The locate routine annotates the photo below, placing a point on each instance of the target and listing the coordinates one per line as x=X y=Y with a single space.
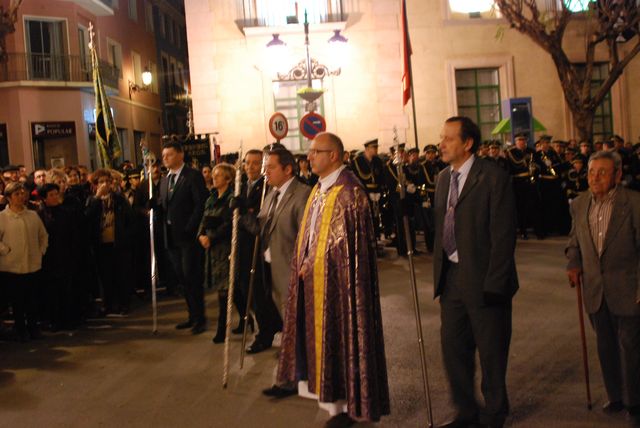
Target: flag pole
x=407 y=54
x=412 y=273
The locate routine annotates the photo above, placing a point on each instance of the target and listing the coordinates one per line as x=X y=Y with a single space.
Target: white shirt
x=325 y=185
x=176 y=172
x=462 y=178
x=282 y=189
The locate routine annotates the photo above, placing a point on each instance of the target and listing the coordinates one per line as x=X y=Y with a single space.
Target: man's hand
x=103 y=190
x=575 y=277
x=204 y=241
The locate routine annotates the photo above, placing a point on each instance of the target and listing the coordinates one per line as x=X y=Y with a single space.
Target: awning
x=505 y=126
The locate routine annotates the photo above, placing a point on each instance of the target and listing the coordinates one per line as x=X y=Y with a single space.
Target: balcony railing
x=54 y=68
x=260 y=13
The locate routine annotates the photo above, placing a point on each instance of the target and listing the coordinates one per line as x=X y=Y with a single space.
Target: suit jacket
x=485 y=230
x=615 y=275
x=183 y=211
x=282 y=234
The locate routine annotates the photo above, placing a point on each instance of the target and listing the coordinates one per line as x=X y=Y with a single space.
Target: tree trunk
x=583 y=120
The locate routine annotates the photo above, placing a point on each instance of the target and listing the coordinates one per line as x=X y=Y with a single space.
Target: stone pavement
x=115 y=373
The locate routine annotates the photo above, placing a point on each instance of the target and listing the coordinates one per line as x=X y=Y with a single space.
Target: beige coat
x=23 y=241
x=615 y=275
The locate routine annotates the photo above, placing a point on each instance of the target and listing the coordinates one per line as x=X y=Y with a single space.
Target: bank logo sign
x=53 y=129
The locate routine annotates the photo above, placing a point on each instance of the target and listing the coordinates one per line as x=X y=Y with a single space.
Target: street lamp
x=147 y=78
x=308 y=69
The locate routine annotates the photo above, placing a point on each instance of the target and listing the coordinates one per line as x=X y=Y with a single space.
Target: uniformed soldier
x=585 y=150
x=576 y=179
x=524 y=173
x=484 y=150
x=554 y=207
x=393 y=185
x=495 y=149
x=368 y=167
x=431 y=169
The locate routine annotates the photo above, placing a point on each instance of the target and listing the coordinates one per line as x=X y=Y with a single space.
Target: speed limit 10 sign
x=278 y=126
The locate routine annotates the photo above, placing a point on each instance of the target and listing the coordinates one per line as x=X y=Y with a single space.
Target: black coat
x=182 y=212
x=123 y=218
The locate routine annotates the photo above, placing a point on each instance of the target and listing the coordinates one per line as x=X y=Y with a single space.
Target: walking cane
x=232 y=269
x=149 y=161
x=412 y=273
x=585 y=360
x=254 y=263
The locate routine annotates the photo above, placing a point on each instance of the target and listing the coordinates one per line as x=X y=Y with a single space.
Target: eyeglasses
x=316 y=151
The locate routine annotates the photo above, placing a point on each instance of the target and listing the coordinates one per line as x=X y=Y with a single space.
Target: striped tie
x=449 y=238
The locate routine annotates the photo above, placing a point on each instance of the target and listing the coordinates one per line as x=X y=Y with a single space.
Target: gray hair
x=610 y=155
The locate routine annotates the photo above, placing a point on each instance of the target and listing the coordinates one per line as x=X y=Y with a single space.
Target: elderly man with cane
x=604 y=259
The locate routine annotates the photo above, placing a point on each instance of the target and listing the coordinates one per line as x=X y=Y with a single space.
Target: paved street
x=115 y=373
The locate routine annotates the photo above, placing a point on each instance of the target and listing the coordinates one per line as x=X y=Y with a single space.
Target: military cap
x=133 y=174
x=560 y=143
x=371 y=143
x=546 y=137
x=520 y=135
x=413 y=150
x=585 y=143
x=495 y=144
x=11 y=168
x=579 y=158
x=430 y=148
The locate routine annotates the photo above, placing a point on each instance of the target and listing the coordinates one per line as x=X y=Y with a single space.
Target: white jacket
x=23 y=241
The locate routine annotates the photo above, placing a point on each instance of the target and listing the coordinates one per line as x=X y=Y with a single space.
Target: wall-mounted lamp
x=147 y=78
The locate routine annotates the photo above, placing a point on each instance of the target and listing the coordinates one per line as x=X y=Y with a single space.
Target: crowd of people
x=76 y=244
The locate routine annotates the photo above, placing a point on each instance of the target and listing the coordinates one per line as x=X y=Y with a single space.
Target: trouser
x=467 y=326
x=400 y=233
x=188 y=266
x=114 y=271
x=618 y=339
x=24 y=300
x=428 y=225
x=267 y=314
x=527 y=205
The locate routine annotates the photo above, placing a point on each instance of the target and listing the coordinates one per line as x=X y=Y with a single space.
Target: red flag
x=406 y=53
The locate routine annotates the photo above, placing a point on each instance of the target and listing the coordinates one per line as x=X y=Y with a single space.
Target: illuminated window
x=270 y=13
x=472 y=9
x=578 y=5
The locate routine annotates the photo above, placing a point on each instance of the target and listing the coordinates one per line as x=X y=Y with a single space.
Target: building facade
x=47 y=109
x=173 y=62
x=465 y=61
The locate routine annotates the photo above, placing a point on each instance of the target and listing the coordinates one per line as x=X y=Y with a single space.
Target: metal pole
x=585 y=355
x=154 y=268
x=254 y=263
x=232 y=270
x=414 y=285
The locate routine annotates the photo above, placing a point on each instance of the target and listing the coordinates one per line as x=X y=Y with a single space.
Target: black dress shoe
x=258 y=346
x=278 y=392
x=611 y=407
x=341 y=420
x=184 y=325
x=199 y=328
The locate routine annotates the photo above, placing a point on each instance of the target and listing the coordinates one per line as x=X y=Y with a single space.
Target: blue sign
x=312 y=124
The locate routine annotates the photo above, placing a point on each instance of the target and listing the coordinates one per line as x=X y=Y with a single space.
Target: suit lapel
x=618 y=215
x=283 y=202
x=442 y=195
x=471 y=180
x=181 y=179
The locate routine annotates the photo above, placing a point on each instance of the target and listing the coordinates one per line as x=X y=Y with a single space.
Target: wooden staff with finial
x=232 y=268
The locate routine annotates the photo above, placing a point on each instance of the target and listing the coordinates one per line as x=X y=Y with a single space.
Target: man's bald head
x=333 y=140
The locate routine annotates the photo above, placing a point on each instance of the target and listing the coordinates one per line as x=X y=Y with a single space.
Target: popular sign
x=53 y=129
x=312 y=124
x=278 y=126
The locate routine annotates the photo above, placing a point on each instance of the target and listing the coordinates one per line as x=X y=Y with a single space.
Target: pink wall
x=26 y=102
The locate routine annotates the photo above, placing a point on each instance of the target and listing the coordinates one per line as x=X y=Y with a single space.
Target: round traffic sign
x=278 y=126
x=312 y=124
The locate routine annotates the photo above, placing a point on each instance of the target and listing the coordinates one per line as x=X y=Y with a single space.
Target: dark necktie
x=449 y=238
x=172 y=183
x=271 y=213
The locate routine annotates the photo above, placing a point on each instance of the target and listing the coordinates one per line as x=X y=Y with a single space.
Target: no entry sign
x=312 y=124
x=278 y=126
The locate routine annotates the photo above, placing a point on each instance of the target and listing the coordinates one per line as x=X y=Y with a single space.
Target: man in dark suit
x=182 y=197
x=604 y=258
x=474 y=273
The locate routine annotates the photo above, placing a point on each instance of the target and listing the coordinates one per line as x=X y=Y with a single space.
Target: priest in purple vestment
x=333 y=344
